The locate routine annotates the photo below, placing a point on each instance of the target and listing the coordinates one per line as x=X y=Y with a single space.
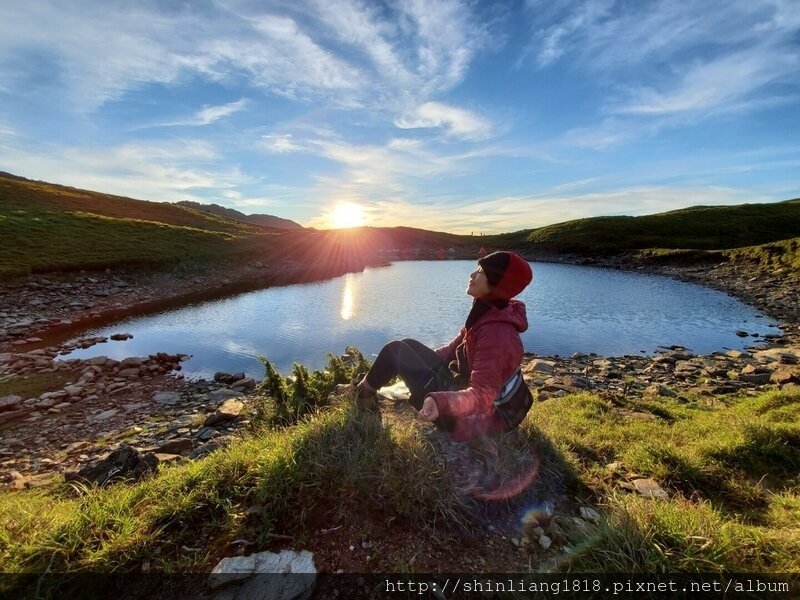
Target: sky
x=459 y=116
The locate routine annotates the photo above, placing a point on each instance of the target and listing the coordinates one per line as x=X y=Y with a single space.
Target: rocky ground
x=100 y=404
x=98 y=417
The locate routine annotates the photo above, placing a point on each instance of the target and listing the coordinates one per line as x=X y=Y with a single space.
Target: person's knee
x=394 y=344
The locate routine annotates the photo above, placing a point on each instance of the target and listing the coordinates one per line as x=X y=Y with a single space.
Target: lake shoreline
x=99 y=404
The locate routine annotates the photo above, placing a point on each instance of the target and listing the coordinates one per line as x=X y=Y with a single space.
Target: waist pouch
x=514 y=400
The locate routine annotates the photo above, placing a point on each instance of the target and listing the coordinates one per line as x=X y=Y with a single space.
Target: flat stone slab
x=168 y=398
x=288 y=575
x=649 y=488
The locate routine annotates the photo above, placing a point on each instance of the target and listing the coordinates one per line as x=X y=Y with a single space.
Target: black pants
x=420 y=368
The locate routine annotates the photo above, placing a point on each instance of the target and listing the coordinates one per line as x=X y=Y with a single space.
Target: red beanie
x=508 y=273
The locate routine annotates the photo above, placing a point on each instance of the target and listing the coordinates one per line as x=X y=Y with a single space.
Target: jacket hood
x=514 y=313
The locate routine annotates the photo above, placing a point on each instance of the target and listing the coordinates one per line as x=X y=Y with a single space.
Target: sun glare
x=346 y=214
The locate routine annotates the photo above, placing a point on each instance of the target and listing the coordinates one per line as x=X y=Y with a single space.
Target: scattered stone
x=9 y=402
x=545 y=542
x=106 y=414
x=649 y=488
x=124 y=463
x=176 y=446
x=166 y=397
x=228 y=411
x=590 y=514
x=121 y=337
x=240 y=576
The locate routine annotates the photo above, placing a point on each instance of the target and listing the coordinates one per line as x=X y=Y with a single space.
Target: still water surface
x=570 y=309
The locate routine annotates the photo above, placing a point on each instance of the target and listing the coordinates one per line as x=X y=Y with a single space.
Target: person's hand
x=429 y=411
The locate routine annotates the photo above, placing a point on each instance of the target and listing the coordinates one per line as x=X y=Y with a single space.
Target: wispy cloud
x=342 y=52
x=512 y=213
x=716 y=84
x=166 y=171
x=205 y=116
x=663 y=59
x=456 y=122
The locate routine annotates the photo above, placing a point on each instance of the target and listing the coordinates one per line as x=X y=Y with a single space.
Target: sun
x=346 y=214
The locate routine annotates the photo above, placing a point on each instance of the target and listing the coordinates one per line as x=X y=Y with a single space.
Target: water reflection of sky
x=570 y=309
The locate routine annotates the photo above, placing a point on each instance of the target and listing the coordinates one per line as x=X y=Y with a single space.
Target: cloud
x=160 y=171
x=665 y=58
x=212 y=114
x=457 y=122
x=512 y=213
x=348 y=54
x=716 y=84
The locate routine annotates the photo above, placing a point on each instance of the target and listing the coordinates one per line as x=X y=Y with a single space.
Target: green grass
x=49 y=228
x=334 y=465
x=733 y=472
x=778 y=255
x=699 y=227
x=731 y=468
x=30 y=386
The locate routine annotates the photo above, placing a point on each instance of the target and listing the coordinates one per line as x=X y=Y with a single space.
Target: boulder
x=124 y=463
x=288 y=575
x=227 y=411
x=9 y=402
x=130 y=372
x=541 y=366
x=178 y=446
x=132 y=361
x=121 y=337
x=246 y=384
x=166 y=397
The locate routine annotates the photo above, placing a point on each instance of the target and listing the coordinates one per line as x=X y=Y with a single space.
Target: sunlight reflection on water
x=570 y=309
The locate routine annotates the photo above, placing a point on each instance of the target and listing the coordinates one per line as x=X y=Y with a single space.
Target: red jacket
x=494 y=352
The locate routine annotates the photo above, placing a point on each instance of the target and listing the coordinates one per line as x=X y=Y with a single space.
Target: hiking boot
x=365 y=401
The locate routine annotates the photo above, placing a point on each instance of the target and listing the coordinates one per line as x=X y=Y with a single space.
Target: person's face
x=478 y=284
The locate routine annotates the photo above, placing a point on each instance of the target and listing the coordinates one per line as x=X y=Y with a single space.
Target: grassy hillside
x=48 y=227
x=699 y=227
x=257 y=219
x=731 y=468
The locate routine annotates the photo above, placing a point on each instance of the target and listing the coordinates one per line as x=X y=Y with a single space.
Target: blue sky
x=444 y=114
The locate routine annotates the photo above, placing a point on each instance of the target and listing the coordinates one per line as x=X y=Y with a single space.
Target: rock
x=166 y=397
x=246 y=384
x=658 y=390
x=256 y=576
x=217 y=395
x=590 y=514
x=9 y=402
x=132 y=361
x=106 y=414
x=123 y=463
x=121 y=337
x=228 y=411
x=756 y=378
x=176 y=446
x=545 y=542
x=73 y=390
x=649 y=488
x=130 y=372
x=11 y=415
x=783 y=376
x=228 y=379
x=541 y=366
x=206 y=433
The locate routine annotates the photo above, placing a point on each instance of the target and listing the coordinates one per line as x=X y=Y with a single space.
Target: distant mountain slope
x=698 y=227
x=258 y=219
